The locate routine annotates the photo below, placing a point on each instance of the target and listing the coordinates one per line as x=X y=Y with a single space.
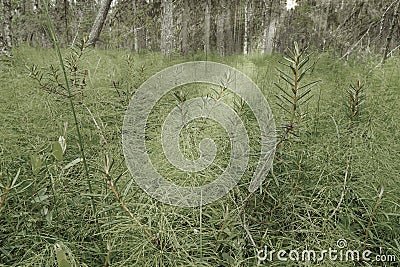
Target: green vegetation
x=337 y=178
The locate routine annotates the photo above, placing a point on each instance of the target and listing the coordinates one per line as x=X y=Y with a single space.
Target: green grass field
x=335 y=180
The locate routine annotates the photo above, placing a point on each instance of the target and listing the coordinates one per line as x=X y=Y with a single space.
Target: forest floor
x=335 y=185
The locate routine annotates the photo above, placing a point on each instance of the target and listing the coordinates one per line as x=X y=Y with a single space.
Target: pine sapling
x=294 y=92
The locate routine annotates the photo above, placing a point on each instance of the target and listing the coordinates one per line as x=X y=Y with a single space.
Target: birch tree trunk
x=7 y=30
x=275 y=16
x=264 y=40
x=139 y=33
x=166 y=27
x=270 y=38
x=99 y=22
x=263 y=44
x=246 y=27
x=207 y=18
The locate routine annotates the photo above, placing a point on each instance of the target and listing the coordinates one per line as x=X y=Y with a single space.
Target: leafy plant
x=131 y=78
x=12 y=184
x=51 y=80
x=356 y=99
x=295 y=93
x=70 y=84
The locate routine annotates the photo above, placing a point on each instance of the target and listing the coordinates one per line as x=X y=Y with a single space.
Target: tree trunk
x=99 y=22
x=66 y=5
x=220 y=35
x=391 y=32
x=270 y=37
x=139 y=29
x=166 y=27
x=184 y=34
x=263 y=43
x=207 y=24
x=246 y=28
x=220 y=20
x=276 y=16
x=7 y=30
x=237 y=28
x=248 y=16
x=139 y=38
x=229 y=44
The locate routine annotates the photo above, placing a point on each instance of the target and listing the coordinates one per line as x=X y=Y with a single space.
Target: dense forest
x=222 y=26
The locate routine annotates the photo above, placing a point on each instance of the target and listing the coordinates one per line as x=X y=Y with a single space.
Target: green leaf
x=306 y=100
x=301 y=76
x=36 y=163
x=289 y=66
x=303 y=94
x=285 y=74
x=61 y=256
x=228 y=258
x=73 y=163
x=303 y=62
x=284 y=108
x=15 y=179
x=41 y=196
x=309 y=85
x=288 y=81
x=290 y=59
x=63 y=143
x=39 y=199
x=57 y=151
x=283 y=98
x=128 y=187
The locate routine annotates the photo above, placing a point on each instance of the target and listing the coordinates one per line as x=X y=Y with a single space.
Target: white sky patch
x=291 y=4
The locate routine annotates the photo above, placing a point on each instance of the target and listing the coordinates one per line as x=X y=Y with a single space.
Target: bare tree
x=99 y=22
x=166 y=27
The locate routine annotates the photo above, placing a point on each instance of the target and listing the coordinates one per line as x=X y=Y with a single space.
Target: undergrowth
x=337 y=179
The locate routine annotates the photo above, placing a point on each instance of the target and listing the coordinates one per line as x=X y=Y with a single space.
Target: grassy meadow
x=337 y=179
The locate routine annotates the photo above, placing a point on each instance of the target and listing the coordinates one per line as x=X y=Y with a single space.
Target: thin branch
x=355 y=45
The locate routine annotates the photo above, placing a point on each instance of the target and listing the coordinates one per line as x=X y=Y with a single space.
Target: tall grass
x=71 y=102
x=313 y=197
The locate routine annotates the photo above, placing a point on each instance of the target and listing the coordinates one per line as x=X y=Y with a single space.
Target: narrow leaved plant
x=70 y=95
x=294 y=91
x=51 y=79
x=356 y=98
